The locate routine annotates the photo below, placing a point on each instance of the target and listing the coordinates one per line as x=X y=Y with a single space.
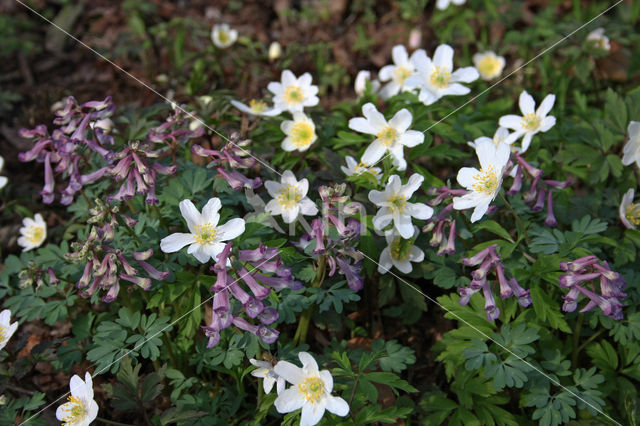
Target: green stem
x=516 y=217
x=112 y=422
x=305 y=319
x=132 y=233
x=591 y=339
x=576 y=340
x=353 y=393
x=160 y=218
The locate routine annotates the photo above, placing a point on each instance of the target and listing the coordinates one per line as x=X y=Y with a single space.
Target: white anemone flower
x=301 y=133
x=256 y=107
x=265 y=371
x=354 y=168
x=205 y=238
x=599 y=40
x=395 y=206
x=33 y=232
x=531 y=122
x=6 y=328
x=397 y=74
x=629 y=211
x=631 y=150
x=80 y=409
x=485 y=183
x=311 y=391
x=399 y=252
x=289 y=197
x=436 y=78
x=391 y=136
x=360 y=83
x=488 y=64
x=443 y=4
x=3 y=179
x=223 y=36
x=293 y=93
x=501 y=136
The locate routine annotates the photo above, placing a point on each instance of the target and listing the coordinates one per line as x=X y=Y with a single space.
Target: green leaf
x=604 y=355
x=493 y=227
x=547 y=310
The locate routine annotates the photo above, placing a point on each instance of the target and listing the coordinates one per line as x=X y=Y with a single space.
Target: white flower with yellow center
x=631 y=150
x=629 y=211
x=399 y=252
x=289 y=198
x=256 y=107
x=265 y=371
x=354 y=168
x=6 y=328
x=397 y=74
x=500 y=137
x=443 y=4
x=33 y=232
x=391 y=136
x=3 y=179
x=436 y=78
x=223 y=36
x=485 y=183
x=598 y=40
x=488 y=64
x=531 y=122
x=293 y=94
x=301 y=133
x=360 y=83
x=206 y=239
x=80 y=409
x=395 y=206
x=311 y=391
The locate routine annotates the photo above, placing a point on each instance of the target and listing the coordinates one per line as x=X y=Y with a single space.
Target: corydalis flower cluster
x=69 y=149
x=582 y=272
x=489 y=260
x=540 y=191
x=257 y=268
x=339 y=252
x=174 y=131
x=106 y=266
x=137 y=174
x=234 y=156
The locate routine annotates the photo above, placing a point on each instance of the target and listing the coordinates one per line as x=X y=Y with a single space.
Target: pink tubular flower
x=585 y=270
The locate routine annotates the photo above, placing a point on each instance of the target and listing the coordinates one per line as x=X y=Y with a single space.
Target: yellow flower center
x=440 y=77
x=205 y=233
x=289 y=196
x=293 y=95
x=257 y=106
x=3 y=334
x=488 y=66
x=223 y=37
x=400 y=248
x=363 y=167
x=633 y=213
x=35 y=234
x=486 y=181
x=397 y=203
x=387 y=135
x=530 y=121
x=401 y=73
x=302 y=134
x=312 y=389
x=74 y=411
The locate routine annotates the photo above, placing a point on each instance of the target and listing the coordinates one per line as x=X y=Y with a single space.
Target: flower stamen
x=401 y=73
x=293 y=95
x=440 y=77
x=289 y=196
x=257 y=106
x=312 y=388
x=530 y=121
x=397 y=203
x=486 y=181
x=205 y=233
x=75 y=410
x=302 y=134
x=632 y=213
x=387 y=136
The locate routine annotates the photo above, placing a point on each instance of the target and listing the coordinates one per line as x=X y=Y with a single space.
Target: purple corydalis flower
x=534 y=172
x=237 y=180
x=530 y=195
x=539 y=205
x=318 y=233
x=174 y=130
x=516 y=186
x=355 y=281
x=443 y=193
x=450 y=246
x=550 y=220
x=479 y=257
x=587 y=269
x=489 y=302
x=438 y=235
x=268 y=335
